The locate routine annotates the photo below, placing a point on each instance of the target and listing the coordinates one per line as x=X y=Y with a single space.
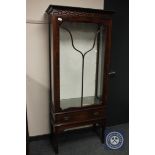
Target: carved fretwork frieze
x=75 y=13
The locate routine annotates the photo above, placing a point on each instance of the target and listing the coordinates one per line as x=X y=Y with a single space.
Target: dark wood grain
x=79 y=115
x=62 y=120
x=77 y=11
x=56 y=73
x=107 y=60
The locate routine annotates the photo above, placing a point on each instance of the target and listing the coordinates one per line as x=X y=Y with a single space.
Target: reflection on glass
x=81 y=68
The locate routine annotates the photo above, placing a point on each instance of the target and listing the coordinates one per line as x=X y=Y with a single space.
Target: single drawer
x=80 y=115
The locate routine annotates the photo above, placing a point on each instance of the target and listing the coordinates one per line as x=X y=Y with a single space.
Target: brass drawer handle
x=96 y=113
x=66 y=118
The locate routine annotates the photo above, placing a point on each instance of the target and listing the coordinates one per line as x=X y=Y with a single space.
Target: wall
x=37 y=70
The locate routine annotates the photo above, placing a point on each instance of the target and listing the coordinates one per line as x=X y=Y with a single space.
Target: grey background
x=118 y=103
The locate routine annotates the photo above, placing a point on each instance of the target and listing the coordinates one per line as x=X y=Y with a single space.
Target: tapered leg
x=103 y=125
x=55 y=143
x=103 y=133
x=94 y=127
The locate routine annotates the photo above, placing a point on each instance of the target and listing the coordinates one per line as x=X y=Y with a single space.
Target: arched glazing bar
x=82 y=54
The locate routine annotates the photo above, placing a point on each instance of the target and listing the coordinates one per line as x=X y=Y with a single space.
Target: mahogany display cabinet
x=79 y=52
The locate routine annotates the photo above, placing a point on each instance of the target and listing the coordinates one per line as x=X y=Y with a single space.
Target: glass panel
x=81 y=64
x=100 y=64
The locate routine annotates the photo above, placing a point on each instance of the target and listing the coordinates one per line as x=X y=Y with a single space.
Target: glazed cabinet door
x=80 y=62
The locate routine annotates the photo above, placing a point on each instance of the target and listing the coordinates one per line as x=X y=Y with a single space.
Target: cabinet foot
x=94 y=128
x=55 y=143
x=103 y=134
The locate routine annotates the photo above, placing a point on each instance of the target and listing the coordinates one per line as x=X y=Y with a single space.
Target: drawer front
x=80 y=116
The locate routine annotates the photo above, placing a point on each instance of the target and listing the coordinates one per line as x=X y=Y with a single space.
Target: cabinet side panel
x=55 y=62
x=107 y=61
x=51 y=62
